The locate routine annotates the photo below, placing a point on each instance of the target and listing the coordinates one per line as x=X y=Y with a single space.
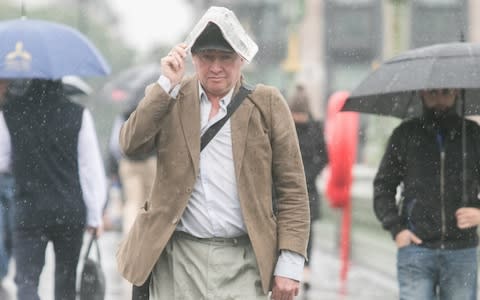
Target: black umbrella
x=74 y=85
x=128 y=86
x=392 y=89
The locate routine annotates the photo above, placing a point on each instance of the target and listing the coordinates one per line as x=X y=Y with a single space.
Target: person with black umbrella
x=433 y=227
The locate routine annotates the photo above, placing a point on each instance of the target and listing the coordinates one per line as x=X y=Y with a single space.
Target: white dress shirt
x=214 y=209
x=90 y=164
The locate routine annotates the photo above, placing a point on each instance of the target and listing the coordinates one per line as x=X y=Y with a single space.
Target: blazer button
x=188 y=190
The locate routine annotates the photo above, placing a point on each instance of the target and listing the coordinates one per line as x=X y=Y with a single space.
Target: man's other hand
x=284 y=288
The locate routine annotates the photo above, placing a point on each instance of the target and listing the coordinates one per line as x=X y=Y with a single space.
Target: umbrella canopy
x=41 y=49
x=392 y=88
x=128 y=87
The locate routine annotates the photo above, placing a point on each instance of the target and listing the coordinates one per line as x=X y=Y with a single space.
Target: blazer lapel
x=239 y=128
x=190 y=119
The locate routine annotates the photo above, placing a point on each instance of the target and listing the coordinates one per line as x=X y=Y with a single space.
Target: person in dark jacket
x=314 y=156
x=434 y=230
x=60 y=185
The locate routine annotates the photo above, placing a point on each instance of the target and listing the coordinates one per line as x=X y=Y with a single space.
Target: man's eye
x=208 y=57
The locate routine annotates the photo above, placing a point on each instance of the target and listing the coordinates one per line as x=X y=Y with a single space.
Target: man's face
x=440 y=99
x=218 y=71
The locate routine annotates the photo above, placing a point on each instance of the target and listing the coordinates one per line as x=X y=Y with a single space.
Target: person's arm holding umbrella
x=389 y=176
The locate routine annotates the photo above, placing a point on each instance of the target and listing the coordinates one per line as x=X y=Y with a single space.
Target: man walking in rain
x=208 y=229
x=60 y=185
x=435 y=232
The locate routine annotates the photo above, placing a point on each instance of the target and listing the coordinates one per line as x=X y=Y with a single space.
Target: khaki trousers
x=206 y=269
x=137 y=177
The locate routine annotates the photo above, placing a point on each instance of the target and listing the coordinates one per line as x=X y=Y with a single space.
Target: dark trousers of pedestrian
x=142 y=292
x=6 y=201
x=29 y=251
x=309 y=245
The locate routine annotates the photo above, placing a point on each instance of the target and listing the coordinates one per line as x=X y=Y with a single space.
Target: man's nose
x=216 y=65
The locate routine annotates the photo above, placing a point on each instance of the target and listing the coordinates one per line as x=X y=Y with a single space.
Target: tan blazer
x=264 y=146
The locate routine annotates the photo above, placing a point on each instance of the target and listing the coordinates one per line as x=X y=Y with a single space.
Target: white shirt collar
x=202 y=95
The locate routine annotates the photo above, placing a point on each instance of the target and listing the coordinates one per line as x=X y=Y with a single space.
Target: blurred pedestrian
x=59 y=182
x=314 y=156
x=208 y=229
x=135 y=175
x=6 y=188
x=434 y=230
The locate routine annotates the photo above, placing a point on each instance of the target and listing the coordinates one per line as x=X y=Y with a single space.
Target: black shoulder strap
x=232 y=106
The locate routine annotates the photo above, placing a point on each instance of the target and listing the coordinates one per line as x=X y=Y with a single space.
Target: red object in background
x=119 y=95
x=341 y=133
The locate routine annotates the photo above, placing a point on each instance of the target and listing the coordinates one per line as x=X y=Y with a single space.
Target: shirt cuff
x=166 y=85
x=290 y=265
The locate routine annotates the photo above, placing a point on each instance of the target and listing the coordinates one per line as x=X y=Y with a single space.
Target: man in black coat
x=314 y=155
x=435 y=232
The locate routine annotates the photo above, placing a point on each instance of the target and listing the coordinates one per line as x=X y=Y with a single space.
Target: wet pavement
x=363 y=282
x=116 y=287
x=371 y=274
x=372 y=268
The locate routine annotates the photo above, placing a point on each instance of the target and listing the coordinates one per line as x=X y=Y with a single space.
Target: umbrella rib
x=401 y=60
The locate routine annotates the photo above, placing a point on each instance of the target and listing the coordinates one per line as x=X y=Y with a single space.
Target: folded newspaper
x=231 y=29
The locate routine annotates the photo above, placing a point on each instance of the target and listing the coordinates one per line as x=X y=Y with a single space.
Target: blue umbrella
x=42 y=49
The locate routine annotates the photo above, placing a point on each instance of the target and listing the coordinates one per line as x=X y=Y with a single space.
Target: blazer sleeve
x=293 y=213
x=138 y=133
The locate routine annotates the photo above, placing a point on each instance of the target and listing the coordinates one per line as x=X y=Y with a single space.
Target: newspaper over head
x=231 y=29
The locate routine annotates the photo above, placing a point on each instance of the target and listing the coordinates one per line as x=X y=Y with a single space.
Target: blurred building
x=357 y=35
x=331 y=45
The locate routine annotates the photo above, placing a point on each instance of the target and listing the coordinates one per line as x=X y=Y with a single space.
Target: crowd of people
x=219 y=182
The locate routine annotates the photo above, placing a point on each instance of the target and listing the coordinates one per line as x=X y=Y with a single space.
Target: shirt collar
x=202 y=95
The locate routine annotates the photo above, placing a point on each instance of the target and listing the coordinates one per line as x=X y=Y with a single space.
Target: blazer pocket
x=146 y=206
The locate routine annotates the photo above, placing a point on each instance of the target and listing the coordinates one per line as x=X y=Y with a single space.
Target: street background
x=328 y=45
